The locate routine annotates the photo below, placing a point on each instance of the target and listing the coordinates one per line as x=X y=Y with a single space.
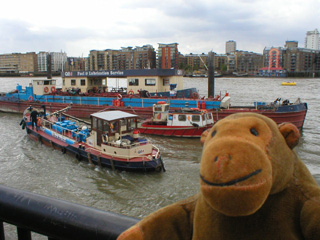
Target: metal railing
x=57 y=219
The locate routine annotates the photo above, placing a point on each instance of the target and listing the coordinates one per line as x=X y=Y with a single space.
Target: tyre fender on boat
x=39 y=138
x=78 y=156
x=63 y=150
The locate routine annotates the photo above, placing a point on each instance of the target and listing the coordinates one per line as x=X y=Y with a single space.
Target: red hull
x=172 y=131
x=297 y=118
x=84 y=111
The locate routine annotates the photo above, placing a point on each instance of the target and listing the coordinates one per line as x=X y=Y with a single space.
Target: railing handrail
x=59 y=219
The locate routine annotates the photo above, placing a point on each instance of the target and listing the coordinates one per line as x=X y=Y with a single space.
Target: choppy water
x=33 y=167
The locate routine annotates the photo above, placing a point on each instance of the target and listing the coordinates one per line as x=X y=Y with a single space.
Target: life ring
x=46 y=89
x=30 y=99
x=131 y=92
x=119 y=96
x=53 y=89
x=39 y=122
x=195 y=95
x=118 y=103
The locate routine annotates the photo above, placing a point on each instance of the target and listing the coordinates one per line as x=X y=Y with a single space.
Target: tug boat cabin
x=185 y=122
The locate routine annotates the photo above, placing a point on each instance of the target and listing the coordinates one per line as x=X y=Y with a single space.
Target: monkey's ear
x=204 y=136
x=290 y=133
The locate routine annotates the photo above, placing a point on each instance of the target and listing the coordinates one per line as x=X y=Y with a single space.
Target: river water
x=30 y=166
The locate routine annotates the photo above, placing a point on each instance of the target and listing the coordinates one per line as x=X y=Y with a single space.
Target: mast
x=49 y=74
x=211 y=74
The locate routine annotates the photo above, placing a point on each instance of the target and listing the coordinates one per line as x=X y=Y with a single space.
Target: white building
x=42 y=61
x=231 y=47
x=58 y=59
x=312 y=40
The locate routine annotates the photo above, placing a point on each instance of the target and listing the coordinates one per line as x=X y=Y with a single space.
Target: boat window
x=106 y=127
x=203 y=118
x=166 y=82
x=182 y=118
x=63 y=82
x=53 y=82
x=157 y=108
x=166 y=108
x=82 y=82
x=114 y=127
x=73 y=82
x=133 y=82
x=123 y=124
x=100 y=124
x=131 y=124
x=94 y=123
x=209 y=116
x=195 y=118
x=46 y=82
x=150 y=82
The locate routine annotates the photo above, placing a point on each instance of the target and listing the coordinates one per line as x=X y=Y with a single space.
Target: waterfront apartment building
x=127 y=58
x=197 y=61
x=248 y=62
x=312 y=40
x=290 y=60
x=168 y=56
x=58 y=60
x=75 y=64
x=220 y=62
x=20 y=63
x=231 y=46
x=302 y=61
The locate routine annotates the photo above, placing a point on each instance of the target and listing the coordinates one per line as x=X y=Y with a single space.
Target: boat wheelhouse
x=185 y=122
x=110 y=140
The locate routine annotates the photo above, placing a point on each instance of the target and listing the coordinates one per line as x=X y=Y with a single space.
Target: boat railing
x=57 y=219
x=157 y=150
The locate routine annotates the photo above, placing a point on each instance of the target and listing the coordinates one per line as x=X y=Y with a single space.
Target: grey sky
x=76 y=27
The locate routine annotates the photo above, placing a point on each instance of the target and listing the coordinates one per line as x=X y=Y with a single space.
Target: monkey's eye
x=213 y=133
x=254 y=131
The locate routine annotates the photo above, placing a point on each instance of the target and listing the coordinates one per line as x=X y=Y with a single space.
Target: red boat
x=280 y=112
x=187 y=122
x=82 y=106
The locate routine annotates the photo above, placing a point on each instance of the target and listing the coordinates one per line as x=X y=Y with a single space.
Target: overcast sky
x=198 y=26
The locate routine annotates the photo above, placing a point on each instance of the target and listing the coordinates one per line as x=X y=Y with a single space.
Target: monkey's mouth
x=232 y=182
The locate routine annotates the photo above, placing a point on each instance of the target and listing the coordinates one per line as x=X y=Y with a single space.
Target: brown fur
x=253 y=186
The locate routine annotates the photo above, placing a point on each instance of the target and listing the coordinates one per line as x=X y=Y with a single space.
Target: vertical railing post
x=1 y=231
x=23 y=234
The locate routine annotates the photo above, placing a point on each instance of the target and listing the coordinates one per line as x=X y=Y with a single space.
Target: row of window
x=194 y=118
x=148 y=82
